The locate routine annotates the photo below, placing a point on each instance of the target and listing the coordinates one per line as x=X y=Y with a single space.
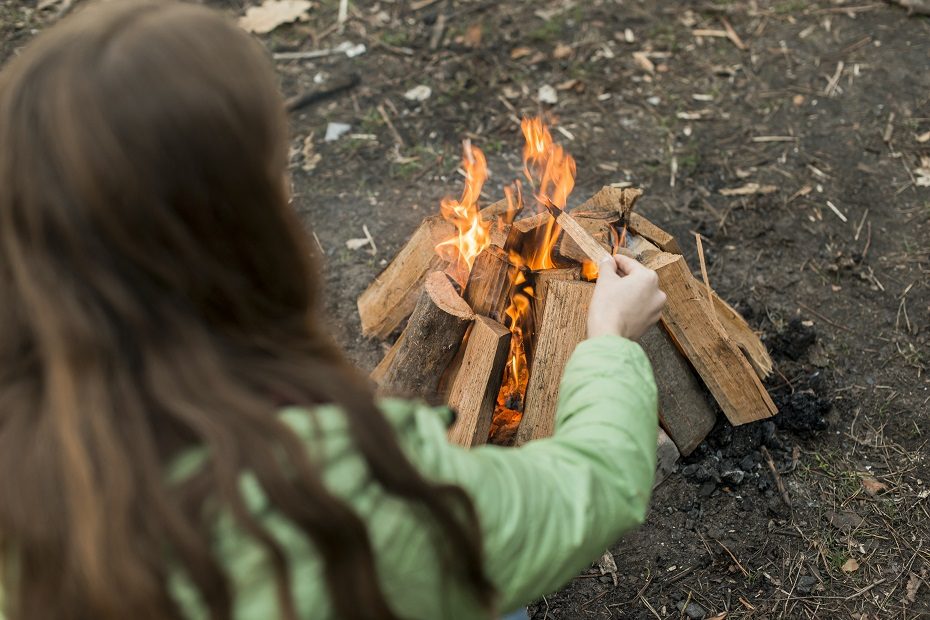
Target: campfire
x=495 y=299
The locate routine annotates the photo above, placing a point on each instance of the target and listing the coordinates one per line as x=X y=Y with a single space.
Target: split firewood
x=743 y=335
x=563 y=326
x=392 y=296
x=473 y=394
x=525 y=231
x=610 y=201
x=590 y=246
x=541 y=280
x=666 y=458
x=716 y=357
x=684 y=409
x=646 y=229
x=598 y=229
x=489 y=283
x=429 y=342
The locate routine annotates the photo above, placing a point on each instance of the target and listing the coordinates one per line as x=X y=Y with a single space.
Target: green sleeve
x=551 y=507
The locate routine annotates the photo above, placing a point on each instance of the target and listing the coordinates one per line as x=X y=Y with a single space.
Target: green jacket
x=547 y=509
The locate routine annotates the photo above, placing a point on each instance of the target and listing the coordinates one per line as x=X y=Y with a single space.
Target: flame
x=551 y=173
x=473 y=234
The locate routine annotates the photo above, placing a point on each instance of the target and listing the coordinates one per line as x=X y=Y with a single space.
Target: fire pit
x=496 y=299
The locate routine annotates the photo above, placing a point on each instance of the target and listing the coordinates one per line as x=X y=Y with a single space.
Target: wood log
x=610 y=201
x=743 y=335
x=598 y=229
x=716 y=357
x=541 y=280
x=474 y=390
x=666 y=458
x=525 y=230
x=392 y=296
x=563 y=326
x=684 y=410
x=646 y=229
x=592 y=248
x=488 y=288
x=429 y=342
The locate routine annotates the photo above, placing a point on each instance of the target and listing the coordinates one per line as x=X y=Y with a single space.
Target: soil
x=830 y=104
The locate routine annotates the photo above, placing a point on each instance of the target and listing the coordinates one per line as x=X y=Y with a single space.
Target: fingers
x=627 y=265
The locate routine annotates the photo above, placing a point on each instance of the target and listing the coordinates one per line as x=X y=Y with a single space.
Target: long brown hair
x=157 y=293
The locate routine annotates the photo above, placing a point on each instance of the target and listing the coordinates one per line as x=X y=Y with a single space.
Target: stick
x=588 y=244
x=778 y=481
x=390 y=125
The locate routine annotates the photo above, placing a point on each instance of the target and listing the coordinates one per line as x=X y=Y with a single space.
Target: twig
x=390 y=125
x=825 y=319
x=304 y=99
x=889 y=129
x=710 y=295
x=775 y=139
x=731 y=34
x=649 y=607
x=778 y=481
x=374 y=248
x=733 y=557
x=834 y=81
x=343 y=14
x=838 y=213
x=861 y=224
x=318 y=244
x=439 y=28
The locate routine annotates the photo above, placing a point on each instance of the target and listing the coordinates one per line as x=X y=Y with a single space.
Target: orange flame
x=551 y=173
x=473 y=233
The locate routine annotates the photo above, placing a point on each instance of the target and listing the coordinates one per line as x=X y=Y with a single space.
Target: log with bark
x=429 y=342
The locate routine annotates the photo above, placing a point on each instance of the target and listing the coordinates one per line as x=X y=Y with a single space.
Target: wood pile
x=457 y=342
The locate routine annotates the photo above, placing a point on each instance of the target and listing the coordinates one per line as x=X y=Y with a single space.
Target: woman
x=178 y=437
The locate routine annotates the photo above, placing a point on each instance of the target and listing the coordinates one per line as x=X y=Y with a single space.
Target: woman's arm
x=551 y=507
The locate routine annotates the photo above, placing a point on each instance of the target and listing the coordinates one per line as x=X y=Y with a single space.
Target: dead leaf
x=923 y=173
x=748 y=190
x=472 y=36
x=913 y=584
x=520 y=52
x=572 y=84
x=924 y=137
x=547 y=94
x=608 y=566
x=641 y=60
x=873 y=486
x=273 y=13
x=850 y=566
x=561 y=51
x=311 y=157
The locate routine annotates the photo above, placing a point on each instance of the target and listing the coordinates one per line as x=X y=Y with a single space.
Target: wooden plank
x=489 y=283
x=563 y=326
x=391 y=297
x=684 y=408
x=716 y=357
x=429 y=342
x=646 y=229
x=474 y=390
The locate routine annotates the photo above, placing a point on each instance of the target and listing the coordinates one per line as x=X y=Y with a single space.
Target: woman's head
x=156 y=293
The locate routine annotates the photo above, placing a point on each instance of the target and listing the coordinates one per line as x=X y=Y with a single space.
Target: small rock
x=806 y=583
x=734 y=476
x=653 y=100
x=708 y=488
x=693 y=610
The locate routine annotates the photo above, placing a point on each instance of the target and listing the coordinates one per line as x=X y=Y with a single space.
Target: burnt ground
x=830 y=104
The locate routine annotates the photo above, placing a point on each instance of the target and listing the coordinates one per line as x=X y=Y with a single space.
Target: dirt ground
x=825 y=106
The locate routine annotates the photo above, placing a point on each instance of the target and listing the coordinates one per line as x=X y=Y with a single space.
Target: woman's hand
x=627 y=300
